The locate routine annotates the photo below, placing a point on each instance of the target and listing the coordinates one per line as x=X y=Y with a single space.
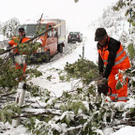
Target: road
x=54 y=67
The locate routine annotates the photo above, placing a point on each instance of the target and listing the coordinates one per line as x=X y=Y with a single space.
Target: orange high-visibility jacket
x=113 y=56
x=12 y=42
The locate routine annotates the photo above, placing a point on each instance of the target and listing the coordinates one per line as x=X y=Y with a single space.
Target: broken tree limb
x=7 y=94
x=49 y=112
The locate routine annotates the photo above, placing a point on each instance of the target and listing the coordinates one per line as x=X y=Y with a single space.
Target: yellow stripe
x=62 y=38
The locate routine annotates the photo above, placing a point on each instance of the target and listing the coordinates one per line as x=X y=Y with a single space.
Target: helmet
x=21 y=30
x=100 y=34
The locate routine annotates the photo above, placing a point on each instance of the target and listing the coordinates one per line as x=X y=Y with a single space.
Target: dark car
x=75 y=36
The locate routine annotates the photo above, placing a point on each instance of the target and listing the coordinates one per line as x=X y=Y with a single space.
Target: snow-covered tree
x=9 y=27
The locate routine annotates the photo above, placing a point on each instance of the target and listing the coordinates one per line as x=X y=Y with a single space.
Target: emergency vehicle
x=52 y=42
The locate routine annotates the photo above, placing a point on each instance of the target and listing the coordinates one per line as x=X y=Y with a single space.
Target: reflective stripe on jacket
x=121 y=57
x=116 y=98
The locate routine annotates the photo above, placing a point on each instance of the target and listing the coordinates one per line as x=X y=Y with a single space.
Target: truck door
x=54 y=40
x=51 y=42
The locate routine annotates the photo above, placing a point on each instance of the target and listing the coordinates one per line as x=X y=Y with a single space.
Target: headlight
x=39 y=50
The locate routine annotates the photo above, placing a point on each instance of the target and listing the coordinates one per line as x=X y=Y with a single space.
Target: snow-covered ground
x=57 y=86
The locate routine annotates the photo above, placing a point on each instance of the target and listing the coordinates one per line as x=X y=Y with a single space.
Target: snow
x=1 y=37
x=55 y=85
x=20 y=130
x=65 y=9
x=126 y=130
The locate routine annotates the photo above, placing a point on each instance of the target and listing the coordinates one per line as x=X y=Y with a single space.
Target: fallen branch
x=51 y=112
x=74 y=128
x=6 y=59
x=3 y=95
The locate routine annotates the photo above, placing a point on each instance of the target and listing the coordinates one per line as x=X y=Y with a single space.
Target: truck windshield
x=32 y=29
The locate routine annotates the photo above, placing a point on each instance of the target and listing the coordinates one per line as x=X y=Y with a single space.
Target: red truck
x=51 y=42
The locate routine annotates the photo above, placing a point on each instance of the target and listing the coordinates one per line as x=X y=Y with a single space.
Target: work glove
x=100 y=76
x=102 y=81
x=102 y=86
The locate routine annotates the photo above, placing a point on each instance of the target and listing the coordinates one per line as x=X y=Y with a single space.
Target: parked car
x=75 y=36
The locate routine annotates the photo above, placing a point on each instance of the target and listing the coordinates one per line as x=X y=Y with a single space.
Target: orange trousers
x=17 y=66
x=118 y=94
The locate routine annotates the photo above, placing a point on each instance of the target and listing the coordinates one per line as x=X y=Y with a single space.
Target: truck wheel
x=60 y=48
x=47 y=56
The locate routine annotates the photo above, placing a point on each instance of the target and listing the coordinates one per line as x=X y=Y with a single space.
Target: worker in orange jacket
x=21 y=38
x=112 y=55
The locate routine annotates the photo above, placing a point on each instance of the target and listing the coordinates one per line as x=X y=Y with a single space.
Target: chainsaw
x=105 y=89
